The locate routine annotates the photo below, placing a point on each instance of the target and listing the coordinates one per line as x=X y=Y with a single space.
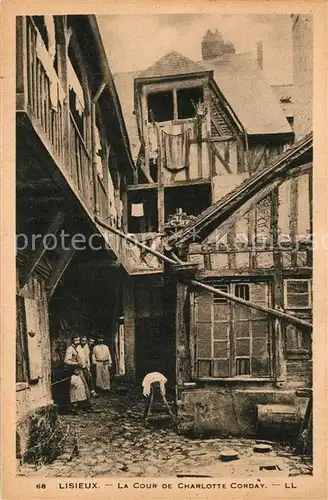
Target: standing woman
x=102 y=360
x=79 y=390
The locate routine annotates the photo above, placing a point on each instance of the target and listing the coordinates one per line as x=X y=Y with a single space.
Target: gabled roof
x=239 y=79
x=171 y=64
x=209 y=219
x=251 y=97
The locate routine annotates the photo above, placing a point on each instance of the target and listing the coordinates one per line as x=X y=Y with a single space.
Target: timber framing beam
x=173 y=261
x=58 y=270
x=41 y=250
x=220 y=157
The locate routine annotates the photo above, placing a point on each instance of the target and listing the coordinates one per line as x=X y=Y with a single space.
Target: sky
x=134 y=43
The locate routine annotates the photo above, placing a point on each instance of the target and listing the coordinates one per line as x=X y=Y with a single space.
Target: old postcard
x=164 y=250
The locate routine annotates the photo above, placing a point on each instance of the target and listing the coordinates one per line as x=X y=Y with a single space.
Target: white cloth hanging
x=150 y=378
x=74 y=84
x=137 y=210
x=47 y=64
x=50 y=27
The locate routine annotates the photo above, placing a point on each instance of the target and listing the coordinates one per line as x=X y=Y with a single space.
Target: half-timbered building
x=73 y=163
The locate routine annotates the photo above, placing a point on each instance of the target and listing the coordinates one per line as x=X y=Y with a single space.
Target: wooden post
x=280 y=359
x=129 y=328
x=160 y=191
x=41 y=250
x=183 y=355
x=293 y=217
x=21 y=62
x=144 y=109
x=59 y=269
x=279 y=366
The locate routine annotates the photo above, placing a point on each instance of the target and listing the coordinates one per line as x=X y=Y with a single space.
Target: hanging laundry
x=150 y=378
x=137 y=210
x=47 y=64
x=176 y=150
x=50 y=27
x=75 y=85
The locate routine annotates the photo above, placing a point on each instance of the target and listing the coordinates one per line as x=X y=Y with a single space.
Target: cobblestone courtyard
x=114 y=441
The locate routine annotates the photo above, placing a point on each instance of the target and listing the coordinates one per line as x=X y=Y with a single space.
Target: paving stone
x=110 y=444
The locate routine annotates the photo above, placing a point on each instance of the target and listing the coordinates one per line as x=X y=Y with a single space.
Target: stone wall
x=33 y=395
x=229 y=411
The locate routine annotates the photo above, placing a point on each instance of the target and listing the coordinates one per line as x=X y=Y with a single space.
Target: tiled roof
x=172 y=63
x=242 y=83
x=217 y=213
x=240 y=80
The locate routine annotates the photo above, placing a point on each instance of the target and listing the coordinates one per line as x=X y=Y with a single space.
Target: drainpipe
x=93 y=141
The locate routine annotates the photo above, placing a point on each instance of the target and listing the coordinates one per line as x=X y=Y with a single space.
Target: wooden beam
x=293 y=216
x=160 y=193
x=144 y=108
x=240 y=212
x=58 y=270
x=146 y=173
x=222 y=160
x=129 y=328
x=41 y=250
x=287 y=317
x=137 y=187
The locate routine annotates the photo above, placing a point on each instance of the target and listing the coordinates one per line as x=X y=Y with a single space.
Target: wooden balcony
x=42 y=97
x=42 y=106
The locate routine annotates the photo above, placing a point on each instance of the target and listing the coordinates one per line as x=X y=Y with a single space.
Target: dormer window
x=175 y=104
x=160 y=106
x=187 y=100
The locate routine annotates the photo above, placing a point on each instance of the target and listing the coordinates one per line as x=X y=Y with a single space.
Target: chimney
x=259 y=54
x=213 y=46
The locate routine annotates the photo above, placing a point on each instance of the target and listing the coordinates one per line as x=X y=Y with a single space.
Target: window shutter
x=203 y=317
x=34 y=348
x=260 y=331
x=221 y=340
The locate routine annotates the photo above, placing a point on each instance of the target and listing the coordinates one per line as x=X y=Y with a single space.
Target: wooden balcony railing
x=43 y=89
x=102 y=199
x=40 y=95
x=80 y=162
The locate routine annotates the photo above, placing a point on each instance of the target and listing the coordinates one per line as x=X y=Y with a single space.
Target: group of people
x=91 y=363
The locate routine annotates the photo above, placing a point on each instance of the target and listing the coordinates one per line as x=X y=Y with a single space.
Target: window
x=174 y=104
x=297 y=294
x=232 y=340
x=192 y=200
x=242 y=291
x=221 y=300
x=160 y=107
x=142 y=211
x=187 y=100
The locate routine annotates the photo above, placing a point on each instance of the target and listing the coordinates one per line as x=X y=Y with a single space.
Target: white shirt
x=101 y=353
